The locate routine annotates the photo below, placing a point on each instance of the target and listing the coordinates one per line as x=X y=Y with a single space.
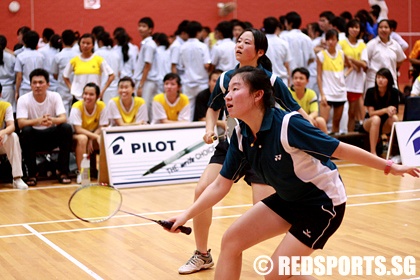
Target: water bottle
x=85 y=170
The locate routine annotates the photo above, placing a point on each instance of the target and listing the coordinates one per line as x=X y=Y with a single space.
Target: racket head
x=95 y=203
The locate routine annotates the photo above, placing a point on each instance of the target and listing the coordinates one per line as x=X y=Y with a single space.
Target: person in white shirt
x=126 y=51
x=278 y=50
x=54 y=47
x=106 y=51
x=223 y=52
x=60 y=62
x=397 y=37
x=415 y=90
x=7 y=74
x=382 y=52
x=28 y=60
x=42 y=119
x=146 y=74
x=195 y=59
x=180 y=39
x=300 y=44
x=162 y=57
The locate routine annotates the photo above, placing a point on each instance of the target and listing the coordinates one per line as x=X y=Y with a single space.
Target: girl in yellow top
x=127 y=109
x=87 y=68
x=87 y=116
x=331 y=83
x=352 y=47
x=172 y=105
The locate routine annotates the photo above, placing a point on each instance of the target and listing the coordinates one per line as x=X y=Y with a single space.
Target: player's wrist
x=388 y=167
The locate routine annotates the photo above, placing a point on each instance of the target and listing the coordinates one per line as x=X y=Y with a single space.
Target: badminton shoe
x=196 y=263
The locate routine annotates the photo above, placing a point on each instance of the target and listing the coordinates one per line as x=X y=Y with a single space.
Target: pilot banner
x=156 y=154
x=408 y=134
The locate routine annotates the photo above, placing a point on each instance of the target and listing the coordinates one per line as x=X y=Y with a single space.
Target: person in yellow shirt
x=9 y=143
x=306 y=98
x=87 y=116
x=171 y=105
x=127 y=109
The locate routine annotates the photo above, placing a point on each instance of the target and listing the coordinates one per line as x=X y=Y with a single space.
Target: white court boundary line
x=63 y=253
x=41 y=236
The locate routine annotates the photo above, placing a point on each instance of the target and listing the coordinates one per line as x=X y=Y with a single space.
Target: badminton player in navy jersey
x=293 y=157
x=250 y=49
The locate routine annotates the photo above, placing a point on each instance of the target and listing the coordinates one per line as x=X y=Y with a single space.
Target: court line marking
x=63 y=253
x=151 y=223
x=41 y=236
x=178 y=211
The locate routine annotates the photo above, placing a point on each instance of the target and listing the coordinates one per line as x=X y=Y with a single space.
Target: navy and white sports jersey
x=290 y=155
x=281 y=93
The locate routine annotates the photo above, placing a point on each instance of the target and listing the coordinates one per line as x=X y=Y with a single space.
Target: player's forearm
x=211 y=119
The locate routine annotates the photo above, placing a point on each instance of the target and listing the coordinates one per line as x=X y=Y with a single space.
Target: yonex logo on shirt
x=277 y=157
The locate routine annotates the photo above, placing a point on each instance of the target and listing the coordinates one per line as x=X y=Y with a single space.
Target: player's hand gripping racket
x=98 y=203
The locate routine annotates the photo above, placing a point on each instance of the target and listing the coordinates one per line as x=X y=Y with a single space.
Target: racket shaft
x=168 y=225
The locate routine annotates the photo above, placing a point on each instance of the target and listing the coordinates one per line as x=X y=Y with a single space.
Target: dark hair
x=225 y=28
x=88 y=35
x=3 y=44
x=384 y=72
x=182 y=27
x=270 y=25
x=122 y=39
x=315 y=27
x=215 y=71
x=331 y=33
x=237 y=22
x=364 y=17
x=353 y=23
x=97 y=29
x=346 y=15
x=1 y=89
x=261 y=43
x=375 y=10
x=40 y=72
x=294 y=19
x=172 y=76
x=127 y=79
x=328 y=15
x=339 y=23
x=105 y=38
x=193 y=28
x=68 y=37
x=161 y=39
x=303 y=71
x=148 y=21
x=56 y=42
x=30 y=39
x=392 y=24
x=23 y=30
x=95 y=86
x=47 y=33
x=257 y=79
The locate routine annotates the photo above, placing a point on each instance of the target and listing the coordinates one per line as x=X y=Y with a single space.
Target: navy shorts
x=219 y=158
x=313 y=225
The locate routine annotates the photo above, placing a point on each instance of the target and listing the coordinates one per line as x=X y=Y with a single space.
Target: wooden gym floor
x=40 y=239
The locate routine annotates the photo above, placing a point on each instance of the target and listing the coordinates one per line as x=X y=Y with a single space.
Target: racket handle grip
x=168 y=225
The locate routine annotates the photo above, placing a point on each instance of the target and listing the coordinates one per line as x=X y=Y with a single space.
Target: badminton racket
x=97 y=203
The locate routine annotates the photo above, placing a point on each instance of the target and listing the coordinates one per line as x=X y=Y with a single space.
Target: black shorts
x=219 y=158
x=336 y=103
x=313 y=225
